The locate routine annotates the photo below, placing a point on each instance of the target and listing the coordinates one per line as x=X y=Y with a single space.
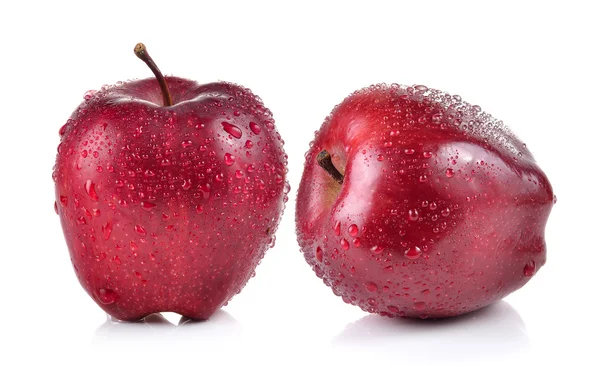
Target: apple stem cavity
x=142 y=53
x=324 y=160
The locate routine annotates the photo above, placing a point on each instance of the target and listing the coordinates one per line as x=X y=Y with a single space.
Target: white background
x=533 y=65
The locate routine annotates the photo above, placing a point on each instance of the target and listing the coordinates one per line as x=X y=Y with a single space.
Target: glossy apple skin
x=442 y=210
x=169 y=208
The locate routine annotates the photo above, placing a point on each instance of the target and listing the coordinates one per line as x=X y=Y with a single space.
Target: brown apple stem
x=142 y=54
x=324 y=160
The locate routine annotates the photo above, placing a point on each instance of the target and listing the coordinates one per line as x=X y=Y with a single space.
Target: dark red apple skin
x=169 y=208
x=449 y=207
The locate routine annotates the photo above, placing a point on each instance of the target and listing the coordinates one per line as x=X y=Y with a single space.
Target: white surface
x=533 y=65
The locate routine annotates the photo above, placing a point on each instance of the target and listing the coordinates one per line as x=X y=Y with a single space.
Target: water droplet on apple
x=413 y=215
x=371 y=286
x=90 y=188
x=187 y=184
x=380 y=157
x=319 y=254
x=106 y=231
x=248 y=144
x=353 y=230
x=89 y=94
x=377 y=249
x=409 y=151
x=186 y=143
x=423 y=178
x=449 y=172
x=63 y=129
x=413 y=253
x=420 y=305
x=205 y=189
x=255 y=128
x=337 y=228
x=344 y=243
x=107 y=296
x=229 y=159
x=427 y=154
x=393 y=309
x=554 y=199
x=81 y=220
x=140 y=230
x=529 y=269
x=149 y=173
x=233 y=130
x=116 y=260
x=148 y=206
x=64 y=201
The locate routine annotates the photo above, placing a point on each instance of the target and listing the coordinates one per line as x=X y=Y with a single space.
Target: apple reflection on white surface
x=156 y=330
x=494 y=334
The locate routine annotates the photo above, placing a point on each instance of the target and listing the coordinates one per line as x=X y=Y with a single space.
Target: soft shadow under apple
x=158 y=333
x=494 y=334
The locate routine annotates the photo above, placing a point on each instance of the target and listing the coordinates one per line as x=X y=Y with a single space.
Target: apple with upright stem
x=169 y=193
x=415 y=203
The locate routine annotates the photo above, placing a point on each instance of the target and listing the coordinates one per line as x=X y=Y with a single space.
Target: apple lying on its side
x=169 y=193
x=414 y=203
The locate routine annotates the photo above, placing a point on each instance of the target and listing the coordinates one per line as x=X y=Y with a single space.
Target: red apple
x=414 y=203
x=169 y=193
